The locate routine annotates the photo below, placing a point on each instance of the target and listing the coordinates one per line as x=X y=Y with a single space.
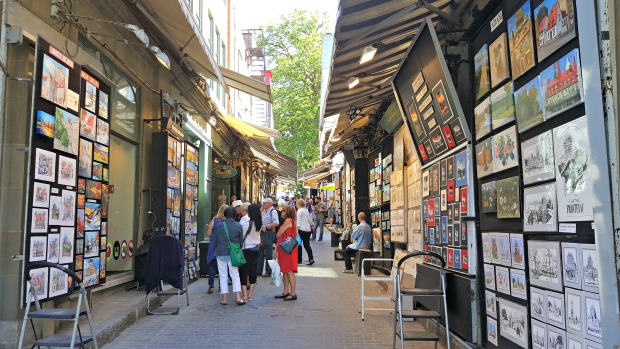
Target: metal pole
x=3 y=53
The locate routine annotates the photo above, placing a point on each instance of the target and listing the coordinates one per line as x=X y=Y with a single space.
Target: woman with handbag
x=286 y=254
x=211 y=260
x=251 y=224
x=305 y=231
x=228 y=237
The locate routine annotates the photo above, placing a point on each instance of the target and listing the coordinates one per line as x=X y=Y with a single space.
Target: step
x=377 y=278
x=55 y=313
x=420 y=292
x=171 y=292
x=377 y=298
x=62 y=340
x=421 y=336
x=420 y=314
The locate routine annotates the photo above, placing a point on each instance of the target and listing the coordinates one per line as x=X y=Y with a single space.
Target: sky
x=252 y=14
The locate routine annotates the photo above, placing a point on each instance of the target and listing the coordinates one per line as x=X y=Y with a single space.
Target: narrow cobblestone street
x=325 y=316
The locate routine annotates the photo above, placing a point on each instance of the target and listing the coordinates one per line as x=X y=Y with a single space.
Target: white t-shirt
x=303 y=220
x=253 y=238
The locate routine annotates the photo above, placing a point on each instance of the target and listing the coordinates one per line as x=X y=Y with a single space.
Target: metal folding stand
x=374 y=278
x=169 y=292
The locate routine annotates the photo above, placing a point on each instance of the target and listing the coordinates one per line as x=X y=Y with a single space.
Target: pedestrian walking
x=320 y=211
x=304 y=227
x=267 y=237
x=288 y=261
x=251 y=224
x=211 y=260
x=331 y=214
x=228 y=231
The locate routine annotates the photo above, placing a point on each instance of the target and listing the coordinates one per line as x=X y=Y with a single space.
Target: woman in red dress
x=288 y=261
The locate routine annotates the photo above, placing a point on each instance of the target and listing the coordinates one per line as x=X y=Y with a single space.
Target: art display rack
x=66 y=215
x=534 y=180
x=190 y=205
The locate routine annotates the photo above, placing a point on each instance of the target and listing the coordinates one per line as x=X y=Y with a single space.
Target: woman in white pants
x=228 y=231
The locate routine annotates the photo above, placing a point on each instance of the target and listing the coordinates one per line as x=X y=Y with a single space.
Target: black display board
x=67 y=205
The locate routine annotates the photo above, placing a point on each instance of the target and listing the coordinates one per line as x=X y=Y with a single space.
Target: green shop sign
x=224 y=171
x=392 y=118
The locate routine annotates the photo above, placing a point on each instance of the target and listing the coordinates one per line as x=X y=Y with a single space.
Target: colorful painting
x=483 y=118
x=561 y=84
x=538 y=159
x=67 y=235
x=106 y=175
x=521 y=41
x=498 y=57
x=439 y=144
x=54 y=81
x=555 y=26
x=447 y=134
x=101 y=153
x=91 y=271
x=418 y=129
x=103 y=132
x=85 y=159
x=53 y=248
x=38 y=248
x=573 y=177
x=484 y=158
x=67 y=171
x=460 y=163
x=90 y=100
x=81 y=221
x=457 y=131
x=81 y=186
x=41 y=195
x=174 y=178
x=105 y=201
x=529 y=105
x=91 y=244
x=103 y=105
x=92 y=217
x=46 y=124
x=516 y=251
x=481 y=66
x=502 y=106
x=67 y=132
x=441 y=97
x=97 y=171
x=54 y=213
x=508 y=198
x=88 y=125
x=81 y=199
x=505 y=154
x=93 y=189
x=58 y=282
x=102 y=267
x=67 y=208
x=489 y=197
x=45 y=165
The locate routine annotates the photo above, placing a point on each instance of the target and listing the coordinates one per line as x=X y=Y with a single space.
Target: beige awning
x=279 y=163
x=246 y=84
x=249 y=130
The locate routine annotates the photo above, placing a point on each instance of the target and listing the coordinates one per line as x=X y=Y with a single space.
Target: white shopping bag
x=276 y=275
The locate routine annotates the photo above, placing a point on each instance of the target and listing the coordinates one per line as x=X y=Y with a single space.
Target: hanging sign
x=392 y=118
x=224 y=171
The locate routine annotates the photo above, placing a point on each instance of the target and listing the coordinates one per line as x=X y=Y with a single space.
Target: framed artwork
x=521 y=41
x=502 y=106
x=492 y=330
x=79 y=262
x=39 y=220
x=589 y=267
x=38 y=248
x=539 y=335
x=444 y=199
x=91 y=271
x=464 y=202
x=444 y=229
x=573 y=177
x=58 y=283
x=417 y=82
x=415 y=120
x=106 y=175
x=54 y=81
x=561 y=84
x=97 y=171
x=41 y=195
x=489 y=197
x=90 y=102
x=424 y=104
x=437 y=140
x=486 y=247
x=105 y=200
x=451 y=191
x=457 y=130
x=529 y=105
x=540 y=211
x=494 y=242
x=575 y=341
x=103 y=132
x=102 y=266
x=489 y=276
x=593 y=318
x=81 y=199
x=79 y=246
x=445 y=110
x=67 y=132
x=39 y=279
x=67 y=208
x=420 y=94
x=484 y=158
x=538 y=304
x=553 y=32
x=428 y=148
x=574 y=311
x=516 y=251
x=502 y=279
x=482 y=118
x=513 y=322
x=481 y=67
x=103 y=104
x=85 y=159
x=498 y=58
x=460 y=164
x=518 y=283
x=505 y=154
x=45 y=165
x=508 y=198
x=81 y=186
x=425 y=183
x=101 y=153
x=46 y=124
x=91 y=243
x=442 y=173
x=571 y=265
x=93 y=189
x=538 y=160
x=67 y=234
x=503 y=242
x=67 y=171
x=555 y=338
x=592 y=345
x=457 y=257
x=544 y=263
x=555 y=309
x=54 y=213
x=53 y=248
x=491 y=303
x=428 y=113
x=92 y=216
x=73 y=101
x=88 y=125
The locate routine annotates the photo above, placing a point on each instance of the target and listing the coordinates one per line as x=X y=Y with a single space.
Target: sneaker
x=348 y=271
x=210 y=290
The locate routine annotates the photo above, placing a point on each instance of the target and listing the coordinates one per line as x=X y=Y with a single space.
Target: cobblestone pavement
x=325 y=316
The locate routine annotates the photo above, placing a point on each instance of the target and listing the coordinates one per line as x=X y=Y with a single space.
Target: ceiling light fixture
x=161 y=56
x=139 y=32
x=368 y=54
x=353 y=82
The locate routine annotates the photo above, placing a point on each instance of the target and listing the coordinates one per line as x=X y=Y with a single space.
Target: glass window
x=218 y=53
x=211 y=31
x=197 y=12
x=224 y=54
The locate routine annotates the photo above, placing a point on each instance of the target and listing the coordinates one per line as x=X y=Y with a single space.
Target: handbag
x=289 y=244
x=237 y=258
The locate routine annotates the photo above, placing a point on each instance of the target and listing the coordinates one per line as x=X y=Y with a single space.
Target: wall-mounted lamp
x=368 y=54
x=161 y=56
x=353 y=82
x=213 y=120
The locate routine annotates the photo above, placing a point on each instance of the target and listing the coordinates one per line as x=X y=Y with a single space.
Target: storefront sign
x=224 y=171
x=391 y=119
x=496 y=21
x=116 y=251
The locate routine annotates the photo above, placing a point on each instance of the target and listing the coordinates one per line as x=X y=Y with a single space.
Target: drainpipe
x=3 y=53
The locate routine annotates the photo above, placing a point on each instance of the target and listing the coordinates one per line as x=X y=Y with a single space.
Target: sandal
x=292 y=298
x=283 y=295
x=241 y=302
x=223 y=303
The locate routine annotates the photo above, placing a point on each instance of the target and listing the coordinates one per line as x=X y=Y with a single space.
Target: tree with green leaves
x=294 y=47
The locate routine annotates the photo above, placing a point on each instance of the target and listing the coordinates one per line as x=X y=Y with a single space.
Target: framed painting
x=505 y=150
x=494 y=242
x=443 y=104
x=540 y=209
x=538 y=304
x=484 y=158
x=508 y=198
x=555 y=309
x=40 y=195
x=574 y=341
x=574 y=311
x=502 y=106
x=498 y=58
x=53 y=248
x=492 y=331
x=518 y=283
x=46 y=124
x=538 y=160
x=571 y=265
x=502 y=279
x=67 y=132
x=489 y=197
x=85 y=159
x=481 y=68
x=38 y=248
x=529 y=105
x=67 y=171
x=514 y=322
x=589 y=268
x=482 y=118
x=54 y=81
x=562 y=85
x=555 y=338
x=521 y=41
x=553 y=32
x=544 y=264
x=489 y=276
x=516 y=250
x=539 y=335
x=460 y=164
x=503 y=242
x=490 y=303
x=45 y=165
x=486 y=247
x=593 y=318
x=39 y=279
x=67 y=208
x=88 y=125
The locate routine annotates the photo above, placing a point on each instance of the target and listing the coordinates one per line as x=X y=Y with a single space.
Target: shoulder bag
x=289 y=243
x=237 y=258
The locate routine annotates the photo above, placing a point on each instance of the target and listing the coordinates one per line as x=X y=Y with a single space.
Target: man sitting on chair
x=362 y=239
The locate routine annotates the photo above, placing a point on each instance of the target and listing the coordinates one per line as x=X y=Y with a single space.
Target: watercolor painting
x=46 y=124
x=54 y=81
x=481 y=66
x=521 y=41
x=555 y=26
x=498 y=57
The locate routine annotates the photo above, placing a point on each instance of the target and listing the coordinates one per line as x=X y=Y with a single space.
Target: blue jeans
x=212 y=272
x=265 y=251
x=318 y=224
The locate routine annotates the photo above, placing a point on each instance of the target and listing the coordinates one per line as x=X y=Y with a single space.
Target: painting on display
x=85 y=159
x=67 y=235
x=502 y=106
x=555 y=337
x=573 y=177
x=571 y=265
x=538 y=304
x=555 y=26
x=484 y=158
x=41 y=195
x=39 y=221
x=54 y=81
x=67 y=132
x=593 y=318
x=516 y=251
x=561 y=84
x=91 y=243
x=513 y=321
x=67 y=208
x=540 y=209
x=437 y=140
x=38 y=248
x=54 y=213
x=489 y=197
x=518 y=283
x=539 y=335
x=53 y=248
x=508 y=198
x=88 y=125
x=39 y=280
x=521 y=40
x=46 y=124
x=91 y=271
x=555 y=309
x=483 y=118
x=90 y=99
x=481 y=66
x=489 y=276
x=415 y=119
x=490 y=303
x=103 y=105
x=574 y=310
x=460 y=164
x=492 y=331
x=589 y=268
x=486 y=248
x=45 y=165
x=103 y=132
x=58 y=282
x=445 y=110
x=544 y=263
x=498 y=58
x=529 y=105
x=67 y=171
x=538 y=159
x=92 y=216
x=101 y=153
x=505 y=154
x=503 y=243
x=502 y=279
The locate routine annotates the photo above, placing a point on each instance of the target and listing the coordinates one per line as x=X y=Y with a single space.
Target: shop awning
x=246 y=84
x=249 y=130
x=322 y=166
x=279 y=163
x=175 y=19
x=313 y=180
x=389 y=25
